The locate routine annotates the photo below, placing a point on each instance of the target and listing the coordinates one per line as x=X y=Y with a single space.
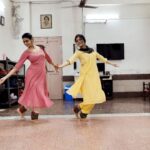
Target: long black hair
x=41 y=46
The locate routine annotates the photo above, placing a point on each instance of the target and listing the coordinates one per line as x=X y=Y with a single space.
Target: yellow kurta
x=88 y=84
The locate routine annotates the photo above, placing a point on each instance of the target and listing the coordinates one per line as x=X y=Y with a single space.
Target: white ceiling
x=116 y=1
x=98 y=2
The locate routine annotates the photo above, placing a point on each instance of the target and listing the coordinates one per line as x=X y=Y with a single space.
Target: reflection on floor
x=61 y=107
x=119 y=124
x=68 y=133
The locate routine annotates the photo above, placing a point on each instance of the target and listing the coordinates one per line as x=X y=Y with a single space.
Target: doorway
x=53 y=46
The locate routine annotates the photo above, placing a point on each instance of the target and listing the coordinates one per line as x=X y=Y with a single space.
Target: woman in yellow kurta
x=88 y=83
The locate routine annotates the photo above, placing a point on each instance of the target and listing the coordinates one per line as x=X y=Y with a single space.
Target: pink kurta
x=35 y=93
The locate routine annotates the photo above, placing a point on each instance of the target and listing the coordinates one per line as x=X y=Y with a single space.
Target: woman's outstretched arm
x=3 y=79
x=104 y=60
x=16 y=67
x=64 y=64
x=70 y=61
x=50 y=61
x=108 y=62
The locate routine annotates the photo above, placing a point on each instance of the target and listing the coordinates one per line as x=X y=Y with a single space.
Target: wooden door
x=53 y=46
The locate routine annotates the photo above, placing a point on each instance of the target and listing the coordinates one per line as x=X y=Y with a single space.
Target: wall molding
x=117 y=77
x=127 y=94
x=68 y=78
x=131 y=76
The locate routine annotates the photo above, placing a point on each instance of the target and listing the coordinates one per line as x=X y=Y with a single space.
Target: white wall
x=18 y=46
x=9 y=45
x=38 y=10
x=5 y=31
x=132 y=28
x=71 y=25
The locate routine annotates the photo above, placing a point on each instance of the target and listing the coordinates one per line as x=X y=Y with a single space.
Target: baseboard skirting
x=131 y=77
x=68 y=78
x=118 y=77
x=127 y=94
x=78 y=99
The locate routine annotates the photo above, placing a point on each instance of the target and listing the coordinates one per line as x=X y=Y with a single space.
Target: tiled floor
x=123 y=105
x=69 y=133
x=119 y=124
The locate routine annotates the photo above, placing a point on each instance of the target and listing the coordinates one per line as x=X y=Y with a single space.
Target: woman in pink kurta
x=35 y=93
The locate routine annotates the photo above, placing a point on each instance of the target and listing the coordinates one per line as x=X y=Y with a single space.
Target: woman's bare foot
x=20 y=114
x=21 y=110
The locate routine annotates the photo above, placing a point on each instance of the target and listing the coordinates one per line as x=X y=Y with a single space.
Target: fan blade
x=82 y=3
x=89 y=6
x=70 y=6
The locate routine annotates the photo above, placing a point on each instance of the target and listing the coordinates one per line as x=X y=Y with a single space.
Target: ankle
x=34 y=115
x=83 y=115
x=76 y=108
x=22 y=109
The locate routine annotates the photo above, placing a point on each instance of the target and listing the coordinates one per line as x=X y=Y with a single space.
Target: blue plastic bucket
x=67 y=97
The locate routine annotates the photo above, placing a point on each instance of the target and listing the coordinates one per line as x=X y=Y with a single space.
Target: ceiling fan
x=82 y=4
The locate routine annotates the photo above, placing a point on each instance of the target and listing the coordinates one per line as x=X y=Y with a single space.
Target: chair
x=146 y=90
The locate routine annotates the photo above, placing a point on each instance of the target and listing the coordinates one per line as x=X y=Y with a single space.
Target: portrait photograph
x=46 y=21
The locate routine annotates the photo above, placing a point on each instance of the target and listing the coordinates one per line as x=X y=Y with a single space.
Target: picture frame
x=46 y=21
x=2 y=20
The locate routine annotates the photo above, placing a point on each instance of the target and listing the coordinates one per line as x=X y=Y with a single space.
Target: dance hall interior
x=74 y=74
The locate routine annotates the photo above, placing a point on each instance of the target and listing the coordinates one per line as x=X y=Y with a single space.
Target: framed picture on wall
x=2 y=20
x=46 y=21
